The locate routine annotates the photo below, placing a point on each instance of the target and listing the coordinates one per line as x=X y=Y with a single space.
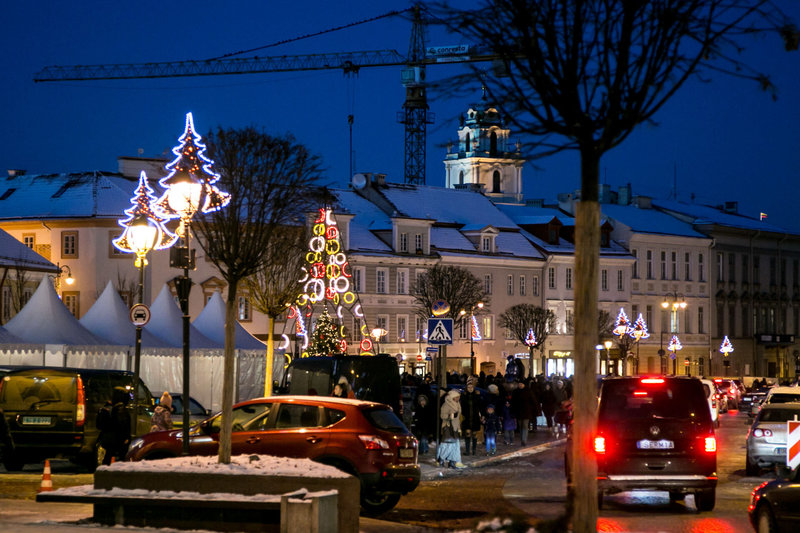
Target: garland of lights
x=476 y=332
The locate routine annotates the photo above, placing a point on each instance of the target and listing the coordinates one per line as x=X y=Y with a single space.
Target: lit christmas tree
x=639 y=329
x=622 y=326
x=674 y=345
x=325 y=340
x=530 y=339
x=726 y=347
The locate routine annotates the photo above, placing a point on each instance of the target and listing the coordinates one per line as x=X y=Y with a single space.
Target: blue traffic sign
x=440 y=331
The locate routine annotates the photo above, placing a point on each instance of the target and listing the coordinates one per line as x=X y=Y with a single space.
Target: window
x=418 y=243
x=380 y=281
x=71 y=301
x=746 y=269
x=551 y=277
x=69 y=244
x=731 y=320
x=29 y=240
x=701 y=268
x=113 y=251
x=463 y=329
x=568 y=279
x=756 y=269
x=402 y=324
x=244 y=309
x=461 y=178
x=674 y=265
x=732 y=267
x=700 y=319
x=746 y=322
x=496 y=181
x=6 y=304
x=486 y=244
x=772 y=271
x=403 y=244
x=487 y=329
x=720 y=276
x=535 y=285
x=358 y=279
x=522 y=285
x=649 y=264
x=620 y=280
x=604 y=280
x=402 y=281
x=510 y=285
x=648 y=316
x=382 y=321
x=720 y=320
x=663 y=264
x=687 y=266
x=635 y=264
x=418 y=274
x=421 y=328
x=569 y=322
x=634 y=313
x=487 y=283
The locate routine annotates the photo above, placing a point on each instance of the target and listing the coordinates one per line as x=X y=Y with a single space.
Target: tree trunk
x=583 y=509
x=270 y=356
x=228 y=375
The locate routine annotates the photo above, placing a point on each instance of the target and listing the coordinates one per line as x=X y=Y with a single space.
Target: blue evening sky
x=725 y=140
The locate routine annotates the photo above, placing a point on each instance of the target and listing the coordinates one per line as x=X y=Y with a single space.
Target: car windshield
x=385 y=419
x=630 y=400
x=195 y=409
x=37 y=391
x=778 y=415
x=784 y=398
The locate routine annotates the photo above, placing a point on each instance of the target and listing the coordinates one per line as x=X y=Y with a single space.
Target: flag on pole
x=763 y=216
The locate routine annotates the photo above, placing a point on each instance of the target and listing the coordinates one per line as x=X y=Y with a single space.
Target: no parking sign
x=793 y=443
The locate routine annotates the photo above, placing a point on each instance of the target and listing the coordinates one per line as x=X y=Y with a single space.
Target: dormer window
x=486 y=243
x=418 y=243
x=552 y=234
x=403 y=244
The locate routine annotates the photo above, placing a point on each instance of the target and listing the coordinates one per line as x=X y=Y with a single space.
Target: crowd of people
x=484 y=408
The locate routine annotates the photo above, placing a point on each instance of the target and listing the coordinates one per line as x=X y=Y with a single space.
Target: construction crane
x=415 y=115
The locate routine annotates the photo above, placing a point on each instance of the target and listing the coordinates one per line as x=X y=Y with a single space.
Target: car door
x=295 y=430
x=244 y=435
x=785 y=502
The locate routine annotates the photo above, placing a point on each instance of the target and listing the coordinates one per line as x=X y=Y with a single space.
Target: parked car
x=731 y=391
x=766 y=439
x=751 y=401
x=50 y=412
x=197 y=413
x=722 y=399
x=655 y=433
x=782 y=395
x=712 y=396
x=365 y=439
x=775 y=505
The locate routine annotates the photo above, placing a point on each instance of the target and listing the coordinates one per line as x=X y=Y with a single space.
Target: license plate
x=36 y=420
x=655 y=444
x=780 y=451
x=406 y=452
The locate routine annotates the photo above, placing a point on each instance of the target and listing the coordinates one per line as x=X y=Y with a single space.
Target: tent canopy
x=211 y=322
x=166 y=323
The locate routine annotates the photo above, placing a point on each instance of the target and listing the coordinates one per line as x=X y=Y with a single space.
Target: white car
x=711 y=396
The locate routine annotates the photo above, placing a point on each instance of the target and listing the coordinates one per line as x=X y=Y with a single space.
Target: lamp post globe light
x=474 y=335
x=188 y=189
x=607 y=345
x=144 y=230
x=56 y=278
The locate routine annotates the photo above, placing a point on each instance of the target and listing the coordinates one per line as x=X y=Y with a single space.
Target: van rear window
x=37 y=392
x=778 y=415
x=630 y=400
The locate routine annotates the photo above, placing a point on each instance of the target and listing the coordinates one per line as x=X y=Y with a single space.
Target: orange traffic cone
x=112 y=460
x=47 y=483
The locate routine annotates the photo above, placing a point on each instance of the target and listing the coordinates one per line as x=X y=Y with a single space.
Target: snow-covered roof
x=45 y=320
x=166 y=323
x=109 y=318
x=526 y=215
x=515 y=243
x=368 y=217
x=450 y=239
x=704 y=214
x=211 y=321
x=80 y=194
x=15 y=254
x=650 y=221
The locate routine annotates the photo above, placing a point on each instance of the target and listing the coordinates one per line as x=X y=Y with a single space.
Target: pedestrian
x=449 y=451
x=424 y=418
x=548 y=402
x=338 y=391
x=509 y=422
x=560 y=417
x=471 y=407
x=511 y=369
x=106 y=439
x=162 y=415
x=120 y=424
x=492 y=425
x=493 y=397
x=347 y=390
x=526 y=407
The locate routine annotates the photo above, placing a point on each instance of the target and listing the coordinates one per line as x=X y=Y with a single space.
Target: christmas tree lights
x=530 y=339
x=622 y=326
x=674 y=345
x=726 y=347
x=639 y=329
x=476 y=332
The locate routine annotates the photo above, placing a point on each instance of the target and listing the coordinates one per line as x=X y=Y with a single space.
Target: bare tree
x=582 y=75
x=522 y=318
x=276 y=286
x=269 y=179
x=19 y=288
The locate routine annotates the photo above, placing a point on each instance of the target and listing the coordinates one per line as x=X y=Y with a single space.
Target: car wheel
x=750 y=468
x=13 y=463
x=377 y=503
x=765 y=522
x=705 y=499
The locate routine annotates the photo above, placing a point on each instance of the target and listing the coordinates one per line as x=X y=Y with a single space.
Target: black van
x=373 y=377
x=50 y=412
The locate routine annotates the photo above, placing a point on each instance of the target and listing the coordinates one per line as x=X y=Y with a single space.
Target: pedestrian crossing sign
x=440 y=331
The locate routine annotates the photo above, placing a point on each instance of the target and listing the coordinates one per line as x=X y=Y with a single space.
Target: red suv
x=365 y=439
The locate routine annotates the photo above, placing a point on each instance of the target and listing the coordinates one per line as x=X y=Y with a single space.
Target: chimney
x=379 y=179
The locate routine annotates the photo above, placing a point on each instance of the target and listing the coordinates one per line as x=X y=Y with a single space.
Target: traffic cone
x=112 y=460
x=47 y=483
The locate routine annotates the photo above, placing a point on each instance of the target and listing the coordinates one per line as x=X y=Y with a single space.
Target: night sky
x=723 y=140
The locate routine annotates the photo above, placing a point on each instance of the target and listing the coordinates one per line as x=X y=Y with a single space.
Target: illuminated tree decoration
x=143 y=213
x=622 y=326
x=476 y=332
x=325 y=340
x=674 y=345
x=190 y=179
x=530 y=339
x=326 y=281
x=726 y=347
x=639 y=329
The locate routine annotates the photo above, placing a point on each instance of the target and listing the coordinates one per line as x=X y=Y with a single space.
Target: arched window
x=493 y=144
x=496 y=181
x=467 y=144
x=461 y=178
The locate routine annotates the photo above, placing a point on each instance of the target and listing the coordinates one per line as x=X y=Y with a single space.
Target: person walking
x=549 y=403
x=347 y=390
x=162 y=415
x=449 y=451
x=492 y=425
x=471 y=407
x=509 y=422
x=424 y=418
x=526 y=407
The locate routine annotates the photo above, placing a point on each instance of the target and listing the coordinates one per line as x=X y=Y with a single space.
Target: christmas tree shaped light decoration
x=530 y=339
x=674 y=345
x=639 y=329
x=476 y=332
x=189 y=185
x=726 y=347
x=622 y=326
x=144 y=225
x=325 y=339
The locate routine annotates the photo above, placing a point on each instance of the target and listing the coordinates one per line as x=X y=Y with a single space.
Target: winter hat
x=490 y=406
x=510 y=357
x=453 y=393
x=166 y=400
x=343 y=381
x=493 y=389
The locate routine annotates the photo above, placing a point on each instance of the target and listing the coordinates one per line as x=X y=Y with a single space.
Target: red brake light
x=651 y=381
x=80 y=411
x=758 y=432
x=717 y=380
x=710 y=444
x=600 y=445
x=640 y=393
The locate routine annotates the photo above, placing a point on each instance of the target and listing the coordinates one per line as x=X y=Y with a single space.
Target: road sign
x=140 y=315
x=439 y=308
x=440 y=331
x=419 y=357
x=793 y=443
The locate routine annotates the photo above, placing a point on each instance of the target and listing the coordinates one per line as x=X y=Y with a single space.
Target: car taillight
x=758 y=432
x=600 y=445
x=651 y=381
x=710 y=444
x=373 y=442
x=80 y=411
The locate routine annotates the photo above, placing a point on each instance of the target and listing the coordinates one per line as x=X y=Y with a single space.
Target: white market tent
x=45 y=320
x=8 y=338
x=211 y=322
x=109 y=318
x=166 y=323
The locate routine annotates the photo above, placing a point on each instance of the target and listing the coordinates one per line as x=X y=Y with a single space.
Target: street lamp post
x=638 y=332
x=622 y=327
x=377 y=334
x=473 y=333
x=607 y=345
x=189 y=188
x=675 y=302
